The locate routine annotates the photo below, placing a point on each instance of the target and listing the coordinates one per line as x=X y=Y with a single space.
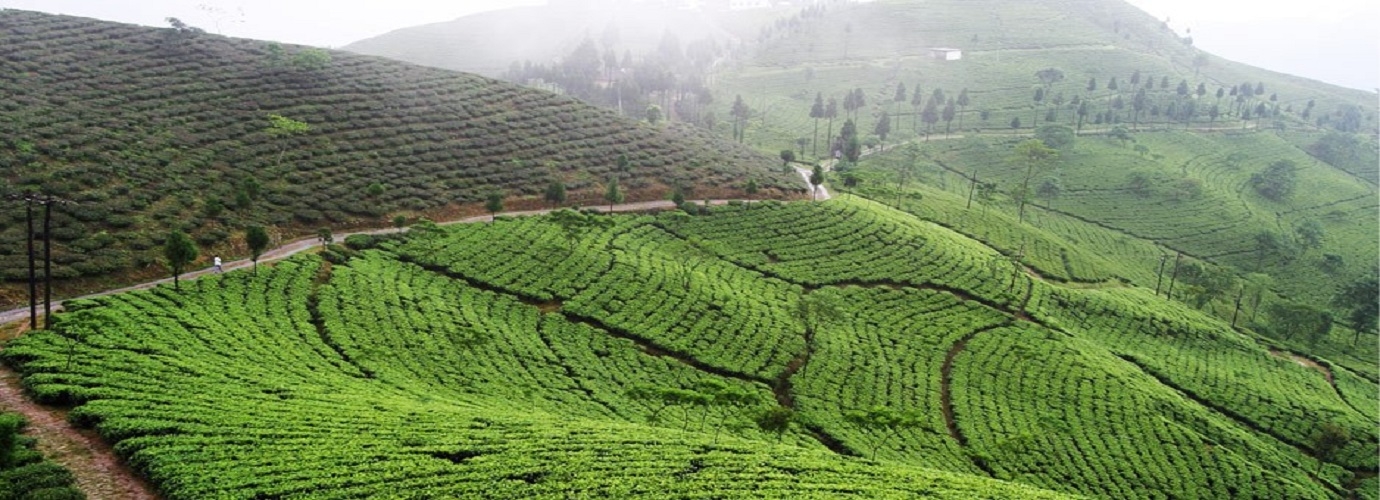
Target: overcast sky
x=1330 y=40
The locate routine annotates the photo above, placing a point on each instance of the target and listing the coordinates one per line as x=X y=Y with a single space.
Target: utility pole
x=1169 y=294
x=47 y=201
x=1159 y=275
x=48 y=262
x=33 y=279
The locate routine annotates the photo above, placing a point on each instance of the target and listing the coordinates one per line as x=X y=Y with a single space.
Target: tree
x=963 y=102
x=1277 y=181
x=180 y=251
x=1361 y=300
x=776 y=420
x=1083 y=111
x=917 y=101
x=930 y=116
x=256 y=237
x=884 y=419
x=1310 y=234
x=816 y=179
x=494 y=204
x=1015 y=122
x=883 y=127
x=740 y=113
x=1038 y=98
x=1289 y=319
x=787 y=156
x=678 y=196
x=1329 y=439
x=311 y=59
x=816 y=112
x=751 y=191
x=948 y=115
x=1092 y=85
x=612 y=194
x=399 y=222
x=1035 y=155
x=555 y=193
x=1056 y=136
x=281 y=127
x=653 y=114
x=1049 y=189
x=325 y=236
x=831 y=111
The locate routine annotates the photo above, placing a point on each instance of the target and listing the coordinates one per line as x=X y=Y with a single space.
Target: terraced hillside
x=830 y=349
x=152 y=129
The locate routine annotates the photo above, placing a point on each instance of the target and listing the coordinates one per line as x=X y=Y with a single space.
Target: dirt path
x=1305 y=362
x=98 y=472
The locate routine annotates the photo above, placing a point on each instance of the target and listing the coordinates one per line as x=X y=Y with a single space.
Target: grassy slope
x=1106 y=392
x=1005 y=43
x=147 y=132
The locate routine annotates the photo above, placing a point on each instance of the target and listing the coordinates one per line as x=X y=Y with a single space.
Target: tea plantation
x=148 y=130
x=820 y=350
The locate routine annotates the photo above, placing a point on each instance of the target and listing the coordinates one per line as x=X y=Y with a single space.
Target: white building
x=946 y=54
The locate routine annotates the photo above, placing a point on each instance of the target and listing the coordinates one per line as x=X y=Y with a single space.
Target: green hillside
x=152 y=129
x=1164 y=161
x=637 y=359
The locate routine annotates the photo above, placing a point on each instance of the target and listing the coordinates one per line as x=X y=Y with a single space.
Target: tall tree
x=612 y=194
x=179 y=250
x=256 y=237
x=963 y=102
x=816 y=179
x=948 y=114
x=555 y=193
x=930 y=116
x=740 y=113
x=883 y=127
x=1034 y=154
x=899 y=97
x=816 y=112
x=917 y=101
x=494 y=204
x=751 y=191
x=1361 y=300
x=831 y=111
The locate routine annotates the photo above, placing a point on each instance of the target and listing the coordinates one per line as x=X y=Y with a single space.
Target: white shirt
x=217 y=261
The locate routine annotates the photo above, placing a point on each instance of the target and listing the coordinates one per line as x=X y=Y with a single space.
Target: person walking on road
x=216 y=261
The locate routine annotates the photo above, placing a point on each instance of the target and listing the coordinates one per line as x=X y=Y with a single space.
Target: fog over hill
x=1330 y=40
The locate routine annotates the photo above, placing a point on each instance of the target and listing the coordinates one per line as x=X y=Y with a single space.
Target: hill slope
x=512 y=360
x=150 y=129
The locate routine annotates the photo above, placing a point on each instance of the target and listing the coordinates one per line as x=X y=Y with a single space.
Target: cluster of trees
x=673 y=77
x=928 y=110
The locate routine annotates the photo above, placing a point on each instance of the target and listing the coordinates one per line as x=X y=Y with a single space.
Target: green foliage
x=194 y=124
x=787 y=156
x=24 y=474
x=311 y=59
x=1058 y=137
x=256 y=238
x=555 y=193
x=1361 y=301
x=281 y=126
x=1289 y=319
x=1277 y=181
x=179 y=250
x=493 y=203
x=612 y=194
